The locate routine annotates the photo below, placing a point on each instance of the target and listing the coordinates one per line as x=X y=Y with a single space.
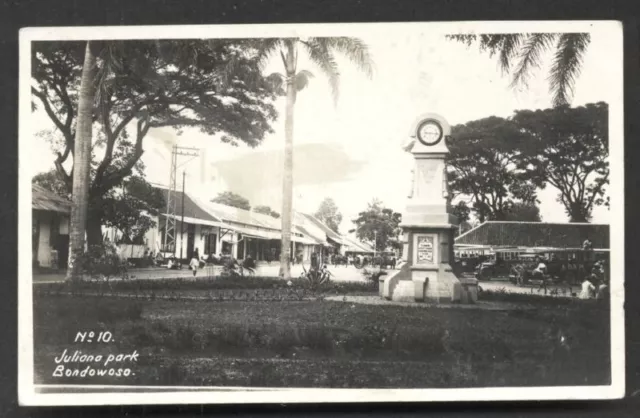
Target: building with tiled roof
x=213 y=228
x=50 y=228
x=523 y=236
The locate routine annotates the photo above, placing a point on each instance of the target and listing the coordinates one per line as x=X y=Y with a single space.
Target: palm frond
x=267 y=48
x=355 y=50
x=504 y=45
x=509 y=45
x=566 y=65
x=302 y=79
x=530 y=56
x=320 y=54
x=276 y=80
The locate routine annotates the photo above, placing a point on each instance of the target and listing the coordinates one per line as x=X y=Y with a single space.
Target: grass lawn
x=316 y=343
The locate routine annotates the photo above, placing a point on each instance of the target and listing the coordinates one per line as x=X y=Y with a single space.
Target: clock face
x=429 y=132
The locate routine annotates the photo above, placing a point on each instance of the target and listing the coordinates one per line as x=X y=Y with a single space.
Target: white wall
x=153 y=239
x=44 y=246
x=44 y=249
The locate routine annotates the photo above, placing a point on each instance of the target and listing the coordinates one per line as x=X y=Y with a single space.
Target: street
x=340 y=273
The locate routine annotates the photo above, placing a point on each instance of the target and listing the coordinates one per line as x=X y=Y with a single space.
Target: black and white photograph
x=371 y=212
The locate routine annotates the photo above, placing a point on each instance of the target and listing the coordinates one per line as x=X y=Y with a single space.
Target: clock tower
x=428 y=224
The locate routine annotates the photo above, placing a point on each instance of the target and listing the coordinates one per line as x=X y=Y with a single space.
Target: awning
x=195 y=221
x=253 y=232
x=338 y=241
x=304 y=240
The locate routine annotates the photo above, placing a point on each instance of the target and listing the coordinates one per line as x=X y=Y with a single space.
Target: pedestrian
x=603 y=290
x=541 y=269
x=194 y=264
x=587 y=289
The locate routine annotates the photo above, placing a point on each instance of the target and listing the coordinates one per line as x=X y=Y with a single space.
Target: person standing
x=587 y=289
x=194 y=264
x=603 y=290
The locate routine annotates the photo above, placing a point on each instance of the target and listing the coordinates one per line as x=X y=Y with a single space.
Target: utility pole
x=375 y=245
x=171 y=230
x=182 y=218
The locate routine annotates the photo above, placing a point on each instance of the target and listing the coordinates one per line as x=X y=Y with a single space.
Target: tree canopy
x=52 y=182
x=232 y=199
x=378 y=225
x=524 y=212
x=329 y=214
x=569 y=150
x=132 y=208
x=215 y=86
x=484 y=166
x=498 y=164
x=266 y=210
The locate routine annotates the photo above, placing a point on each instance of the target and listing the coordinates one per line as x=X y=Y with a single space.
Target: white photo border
x=34 y=395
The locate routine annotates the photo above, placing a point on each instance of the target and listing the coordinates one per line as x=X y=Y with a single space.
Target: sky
x=351 y=151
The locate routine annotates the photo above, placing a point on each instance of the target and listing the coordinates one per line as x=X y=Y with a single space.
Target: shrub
x=315 y=278
x=373 y=277
x=102 y=262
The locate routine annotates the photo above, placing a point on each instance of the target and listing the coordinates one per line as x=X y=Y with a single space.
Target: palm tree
x=82 y=161
x=526 y=48
x=322 y=52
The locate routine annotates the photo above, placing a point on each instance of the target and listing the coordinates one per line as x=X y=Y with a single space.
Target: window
x=210 y=243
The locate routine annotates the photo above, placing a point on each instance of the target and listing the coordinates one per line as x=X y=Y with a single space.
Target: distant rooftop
x=536 y=234
x=43 y=199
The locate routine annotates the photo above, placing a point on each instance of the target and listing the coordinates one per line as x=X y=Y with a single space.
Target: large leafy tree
x=519 y=54
x=570 y=149
x=461 y=211
x=232 y=199
x=266 y=210
x=524 y=212
x=52 y=182
x=322 y=52
x=131 y=209
x=378 y=225
x=216 y=86
x=329 y=214
x=484 y=168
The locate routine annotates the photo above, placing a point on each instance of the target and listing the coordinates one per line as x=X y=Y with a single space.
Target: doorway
x=63 y=251
x=191 y=236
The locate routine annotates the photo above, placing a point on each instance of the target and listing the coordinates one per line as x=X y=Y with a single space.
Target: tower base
x=428 y=276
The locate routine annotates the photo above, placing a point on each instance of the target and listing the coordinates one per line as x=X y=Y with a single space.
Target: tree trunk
x=287 y=177
x=94 y=227
x=81 y=164
x=577 y=212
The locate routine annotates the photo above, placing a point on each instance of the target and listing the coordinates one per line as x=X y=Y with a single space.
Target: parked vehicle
x=564 y=266
x=488 y=269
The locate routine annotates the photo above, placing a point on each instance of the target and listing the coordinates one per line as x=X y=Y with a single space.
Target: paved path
x=340 y=273
x=376 y=300
x=509 y=287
